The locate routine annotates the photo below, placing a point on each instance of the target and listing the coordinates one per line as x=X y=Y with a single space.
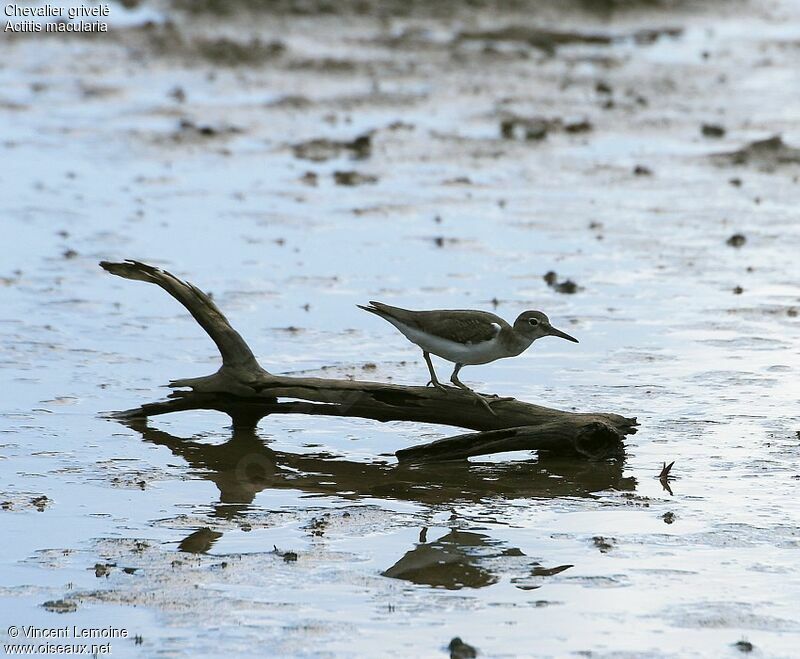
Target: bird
x=466 y=337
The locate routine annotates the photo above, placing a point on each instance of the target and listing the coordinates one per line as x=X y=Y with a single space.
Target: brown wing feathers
x=460 y=326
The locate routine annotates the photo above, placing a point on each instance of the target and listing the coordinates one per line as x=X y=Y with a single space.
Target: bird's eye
x=533 y=322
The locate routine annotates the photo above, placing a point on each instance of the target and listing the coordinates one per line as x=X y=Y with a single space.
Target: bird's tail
x=383 y=310
x=370 y=308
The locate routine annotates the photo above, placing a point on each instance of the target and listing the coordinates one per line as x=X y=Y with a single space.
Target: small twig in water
x=665 y=477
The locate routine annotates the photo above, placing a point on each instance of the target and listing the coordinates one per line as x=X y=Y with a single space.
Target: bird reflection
x=464 y=559
x=453 y=562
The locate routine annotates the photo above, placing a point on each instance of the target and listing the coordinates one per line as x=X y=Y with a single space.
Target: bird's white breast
x=474 y=353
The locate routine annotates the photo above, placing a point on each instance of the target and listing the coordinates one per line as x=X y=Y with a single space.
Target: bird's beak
x=552 y=331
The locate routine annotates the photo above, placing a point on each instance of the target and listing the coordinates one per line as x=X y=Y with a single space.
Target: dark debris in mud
x=324 y=65
x=60 y=606
x=567 y=286
x=549 y=40
x=604 y=544
x=288 y=556
x=318 y=525
x=767 y=154
x=353 y=178
x=460 y=650
x=309 y=178
x=189 y=131
x=712 y=130
x=228 y=52
x=169 y=40
x=321 y=149
x=24 y=502
x=291 y=102
x=513 y=126
x=385 y=9
x=736 y=240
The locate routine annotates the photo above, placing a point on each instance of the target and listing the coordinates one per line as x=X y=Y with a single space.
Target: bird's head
x=534 y=325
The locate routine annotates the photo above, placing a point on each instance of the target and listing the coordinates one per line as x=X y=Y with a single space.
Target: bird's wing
x=468 y=327
x=457 y=325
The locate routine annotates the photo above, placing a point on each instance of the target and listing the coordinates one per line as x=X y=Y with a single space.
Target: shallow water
x=304 y=539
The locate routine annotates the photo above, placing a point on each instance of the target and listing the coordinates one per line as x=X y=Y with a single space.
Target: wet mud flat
x=630 y=168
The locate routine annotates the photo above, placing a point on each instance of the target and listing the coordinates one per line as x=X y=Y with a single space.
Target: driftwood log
x=247 y=392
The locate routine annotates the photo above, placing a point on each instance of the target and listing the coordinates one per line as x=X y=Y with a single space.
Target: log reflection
x=243 y=466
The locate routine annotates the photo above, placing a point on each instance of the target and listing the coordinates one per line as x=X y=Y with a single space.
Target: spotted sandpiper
x=466 y=337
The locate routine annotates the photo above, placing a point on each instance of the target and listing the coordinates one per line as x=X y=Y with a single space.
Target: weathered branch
x=244 y=390
x=590 y=439
x=233 y=348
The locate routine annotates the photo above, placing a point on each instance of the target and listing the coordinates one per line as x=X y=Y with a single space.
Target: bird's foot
x=438 y=385
x=494 y=398
x=482 y=400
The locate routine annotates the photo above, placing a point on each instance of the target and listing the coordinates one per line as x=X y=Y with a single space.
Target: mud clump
x=309 y=178
x=767 y=154
x=651 y=35
x=567 y=287
x=736 y=240
x=540 y=38
x=712 y=130
x=442 y=241
x=605 y=545
x=287 y=556
x=582 y=126
x=60 y=606
x=460 y=650
x=230 y=53
x=291 y=102
x=548 y=41
x=188 y=131
x=168 y=40
x=353 y=178
x=321 y=149
x=25 y=502
x=318 y=525
x=324 y=65
x=531 y=129
x=514 y=126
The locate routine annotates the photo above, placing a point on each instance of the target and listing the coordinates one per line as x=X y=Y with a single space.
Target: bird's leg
x=454 y=379
x=434 y=380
